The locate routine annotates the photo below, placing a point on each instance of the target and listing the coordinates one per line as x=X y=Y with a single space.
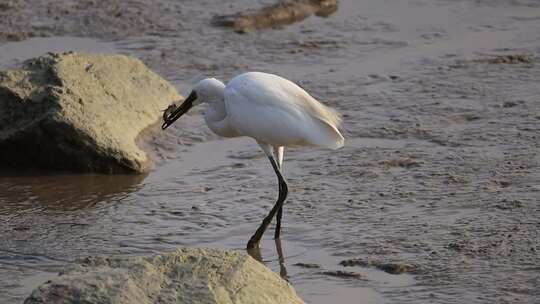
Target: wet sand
x=441 y=168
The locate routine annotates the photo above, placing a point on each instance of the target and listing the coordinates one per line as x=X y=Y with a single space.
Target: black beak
x=172 y=113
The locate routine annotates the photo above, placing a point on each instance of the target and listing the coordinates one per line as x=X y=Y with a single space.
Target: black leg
x=278 y=219
x=283 y=190
x=279 y=215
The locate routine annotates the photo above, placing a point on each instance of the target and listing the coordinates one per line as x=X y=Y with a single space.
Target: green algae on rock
x=191 y=275
x=79 y=113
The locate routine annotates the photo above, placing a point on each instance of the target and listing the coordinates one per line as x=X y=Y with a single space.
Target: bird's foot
x=252 y=244
x=255 y=253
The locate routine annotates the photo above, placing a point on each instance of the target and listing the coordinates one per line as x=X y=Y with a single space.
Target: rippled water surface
x=440 y=171
x=206 y=198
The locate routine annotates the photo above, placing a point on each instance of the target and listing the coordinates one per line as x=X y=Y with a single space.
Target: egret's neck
x=216 y=109
x=216 y=117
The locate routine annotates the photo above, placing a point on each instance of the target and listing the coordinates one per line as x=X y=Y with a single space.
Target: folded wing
x=272 y=109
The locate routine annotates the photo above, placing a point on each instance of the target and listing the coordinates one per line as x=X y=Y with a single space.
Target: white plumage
x=270 y=109
x=276 y=111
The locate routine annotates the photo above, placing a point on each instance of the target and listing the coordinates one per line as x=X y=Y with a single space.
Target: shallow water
x=197 y=200
x=440 y=170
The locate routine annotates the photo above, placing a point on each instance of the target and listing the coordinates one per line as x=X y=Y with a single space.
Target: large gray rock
x=79 y=112
x=183 y=276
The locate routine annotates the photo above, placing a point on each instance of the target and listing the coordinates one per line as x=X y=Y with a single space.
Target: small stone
x=388 y=267
x=509 y=104
x=307 y=265
x=342 y=274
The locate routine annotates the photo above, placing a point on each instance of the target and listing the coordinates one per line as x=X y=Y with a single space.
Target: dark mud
x=441 y=167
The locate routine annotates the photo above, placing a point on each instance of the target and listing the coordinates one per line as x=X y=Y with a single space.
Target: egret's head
x=206 y=90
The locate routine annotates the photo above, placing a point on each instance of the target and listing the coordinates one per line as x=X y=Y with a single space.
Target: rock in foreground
x=182 y=276
x=79 y=112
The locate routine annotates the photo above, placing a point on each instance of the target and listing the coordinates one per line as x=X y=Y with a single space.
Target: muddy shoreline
x=441 y=168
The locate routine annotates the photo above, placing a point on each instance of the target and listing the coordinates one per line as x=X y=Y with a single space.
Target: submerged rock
x=508 y=59
x=285 y=12
x=182 y=276
x=79 y=112
x=342 y=274
x=307 y=265
x=388 y=267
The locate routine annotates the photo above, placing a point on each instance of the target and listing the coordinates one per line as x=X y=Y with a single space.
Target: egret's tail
x=326 y=135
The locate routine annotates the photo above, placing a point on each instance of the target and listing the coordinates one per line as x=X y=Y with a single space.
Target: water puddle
x=63 y=192
x=178 y=204
x=289 y=259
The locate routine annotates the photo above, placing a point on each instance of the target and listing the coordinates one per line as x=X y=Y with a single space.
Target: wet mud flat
x=438 y=183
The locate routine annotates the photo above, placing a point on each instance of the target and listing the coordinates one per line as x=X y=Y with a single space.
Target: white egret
x=270 y=109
